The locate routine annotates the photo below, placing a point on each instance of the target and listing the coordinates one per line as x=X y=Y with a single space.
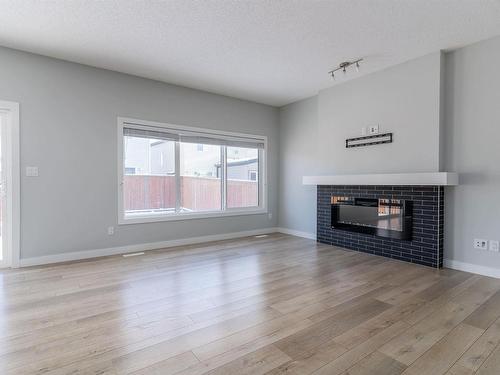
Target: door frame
x=12 y=229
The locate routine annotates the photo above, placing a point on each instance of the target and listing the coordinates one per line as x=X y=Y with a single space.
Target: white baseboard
x=87 y=254
x=293 y=232
x=472 y=268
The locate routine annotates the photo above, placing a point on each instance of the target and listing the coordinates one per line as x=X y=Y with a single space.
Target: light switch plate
x=31 y=171
x=373 y=129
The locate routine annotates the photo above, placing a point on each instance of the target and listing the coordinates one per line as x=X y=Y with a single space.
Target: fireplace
x=400 y=222
x=390 y=218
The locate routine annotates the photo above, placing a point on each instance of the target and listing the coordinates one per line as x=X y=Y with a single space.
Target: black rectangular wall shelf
x=369 y=140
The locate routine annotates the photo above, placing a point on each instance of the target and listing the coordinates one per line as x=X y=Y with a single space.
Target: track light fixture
x=344 y=65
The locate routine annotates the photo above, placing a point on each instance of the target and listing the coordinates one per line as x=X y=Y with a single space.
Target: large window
x=172 y=172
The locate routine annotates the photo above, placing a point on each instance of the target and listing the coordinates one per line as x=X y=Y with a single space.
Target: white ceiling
x=268 y=51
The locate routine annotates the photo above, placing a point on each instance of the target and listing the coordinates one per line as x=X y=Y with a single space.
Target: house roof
x=237 y=162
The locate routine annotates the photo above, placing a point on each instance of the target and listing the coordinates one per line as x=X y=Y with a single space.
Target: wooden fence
x=197 y=193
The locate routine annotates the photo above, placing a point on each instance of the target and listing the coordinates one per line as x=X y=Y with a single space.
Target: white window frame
x=151 y=217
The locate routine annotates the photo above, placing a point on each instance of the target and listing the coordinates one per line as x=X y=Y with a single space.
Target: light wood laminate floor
x=273 y=305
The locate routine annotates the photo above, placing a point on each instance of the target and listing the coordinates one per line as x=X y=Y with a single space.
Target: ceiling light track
x=344 y=65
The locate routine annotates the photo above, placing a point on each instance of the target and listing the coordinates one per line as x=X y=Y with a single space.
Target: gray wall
x=403 y=99
x=68 y=130
x=298 y=157
x=472 y=126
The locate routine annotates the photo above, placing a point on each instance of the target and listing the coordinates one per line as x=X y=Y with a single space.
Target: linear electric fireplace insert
x=390 y=218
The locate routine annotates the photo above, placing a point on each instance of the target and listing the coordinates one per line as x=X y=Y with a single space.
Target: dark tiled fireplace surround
x=426 y=245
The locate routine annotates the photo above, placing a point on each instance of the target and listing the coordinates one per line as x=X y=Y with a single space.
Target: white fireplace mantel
x=432 y=179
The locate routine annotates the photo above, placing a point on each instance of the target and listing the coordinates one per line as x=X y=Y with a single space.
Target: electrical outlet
x=111 y=231
x=270 y=215
x=373 y=129
x=480 y=244
x=494 y=246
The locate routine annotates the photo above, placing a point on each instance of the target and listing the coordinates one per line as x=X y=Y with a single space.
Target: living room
x=261 y=187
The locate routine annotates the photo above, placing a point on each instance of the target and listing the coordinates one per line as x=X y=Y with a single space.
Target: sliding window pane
x=149 y=176
x=201 y=185
x=242 y=177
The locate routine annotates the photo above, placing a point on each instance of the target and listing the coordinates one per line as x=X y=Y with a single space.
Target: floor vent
x=133 y=254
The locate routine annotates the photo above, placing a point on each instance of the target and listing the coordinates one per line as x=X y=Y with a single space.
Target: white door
x=9 y=185
x=4 y=250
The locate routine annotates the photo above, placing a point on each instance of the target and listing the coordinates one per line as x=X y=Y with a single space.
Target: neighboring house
x=159 y=160
x=241 y=169
x=135 y=162
x=242 y=164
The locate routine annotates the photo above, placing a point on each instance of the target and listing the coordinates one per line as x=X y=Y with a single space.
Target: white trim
x=472 y=268
x=297 y=233
x=148 y=218
x=120 y=167
x=87 y=254
x=431 y=179
x=13 y=183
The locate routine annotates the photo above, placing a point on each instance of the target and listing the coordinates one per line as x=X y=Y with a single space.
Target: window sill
x=149 y=218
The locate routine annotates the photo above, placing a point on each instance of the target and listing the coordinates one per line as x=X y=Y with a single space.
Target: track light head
x=344 y=65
